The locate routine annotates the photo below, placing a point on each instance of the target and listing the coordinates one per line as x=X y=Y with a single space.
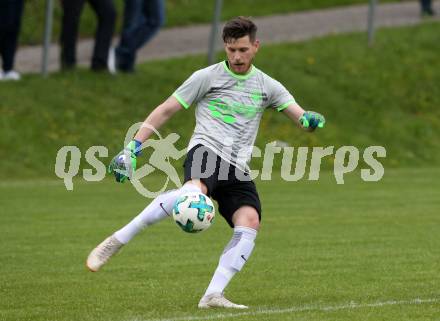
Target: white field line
x=348 y=306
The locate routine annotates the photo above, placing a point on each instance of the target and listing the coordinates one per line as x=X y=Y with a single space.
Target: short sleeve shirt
x=229 y=108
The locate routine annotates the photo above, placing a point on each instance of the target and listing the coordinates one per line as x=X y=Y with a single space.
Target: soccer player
x=230 y=97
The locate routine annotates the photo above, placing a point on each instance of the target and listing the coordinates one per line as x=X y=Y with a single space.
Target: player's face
x=240 y=54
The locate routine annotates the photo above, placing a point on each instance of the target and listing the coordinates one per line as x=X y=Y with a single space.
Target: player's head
x=241 y=44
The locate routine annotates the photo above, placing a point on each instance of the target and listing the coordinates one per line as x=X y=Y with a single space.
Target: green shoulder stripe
x=285 y=105
x=181 y=101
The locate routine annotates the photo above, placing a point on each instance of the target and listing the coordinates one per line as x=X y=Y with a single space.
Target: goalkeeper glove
x=123 y=165
x=311 y=119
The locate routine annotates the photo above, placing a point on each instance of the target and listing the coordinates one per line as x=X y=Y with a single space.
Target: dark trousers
x=426 y=5
x=106 y=15
x=142 y=20
x=10 y=21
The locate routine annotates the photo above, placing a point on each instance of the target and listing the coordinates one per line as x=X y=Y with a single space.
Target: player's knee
x=254 y=222
x=199 y=184
x=246 y=216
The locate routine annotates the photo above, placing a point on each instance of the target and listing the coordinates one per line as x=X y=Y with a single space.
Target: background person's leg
x=10 y=20
x=125 y=51
x=106 y=15
x=142 y=20
x=426 y=7
x=69 y=31
x=154 y=19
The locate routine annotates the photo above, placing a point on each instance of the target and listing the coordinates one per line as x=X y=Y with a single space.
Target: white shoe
x=217 y=300
x=11 y=75
x=111 y=61
x=102 y=253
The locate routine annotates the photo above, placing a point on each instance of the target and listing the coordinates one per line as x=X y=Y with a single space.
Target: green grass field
x=322 y=248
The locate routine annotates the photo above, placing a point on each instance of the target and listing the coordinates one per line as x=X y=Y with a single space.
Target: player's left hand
x=311 y=119
x=123 y=165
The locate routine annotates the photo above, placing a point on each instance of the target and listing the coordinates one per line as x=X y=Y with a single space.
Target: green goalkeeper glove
x=311 y=119
x=123 y=165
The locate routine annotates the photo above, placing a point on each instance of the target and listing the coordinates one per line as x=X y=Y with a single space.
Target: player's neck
x=248 y=70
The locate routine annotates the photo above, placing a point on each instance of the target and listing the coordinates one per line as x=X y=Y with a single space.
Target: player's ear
x=256 y=44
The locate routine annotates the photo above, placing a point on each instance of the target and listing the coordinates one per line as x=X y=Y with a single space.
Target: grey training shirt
x=229 y=109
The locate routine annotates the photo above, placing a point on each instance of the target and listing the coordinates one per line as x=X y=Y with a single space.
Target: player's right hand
x=123 y=165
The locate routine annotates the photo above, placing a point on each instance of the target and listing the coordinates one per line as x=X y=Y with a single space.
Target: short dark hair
x=239 y=27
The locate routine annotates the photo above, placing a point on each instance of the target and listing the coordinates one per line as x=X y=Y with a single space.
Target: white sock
x=160 y=208
x=234 y=256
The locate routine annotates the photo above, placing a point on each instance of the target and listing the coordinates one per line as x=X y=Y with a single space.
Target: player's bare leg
x=235 y=255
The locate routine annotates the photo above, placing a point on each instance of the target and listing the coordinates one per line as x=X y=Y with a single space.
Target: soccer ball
x=193 y=212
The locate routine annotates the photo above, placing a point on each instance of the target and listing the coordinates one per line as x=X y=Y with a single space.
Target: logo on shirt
x=227 y=111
